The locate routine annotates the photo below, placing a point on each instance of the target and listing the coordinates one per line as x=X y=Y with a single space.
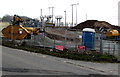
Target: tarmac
x=105 y=68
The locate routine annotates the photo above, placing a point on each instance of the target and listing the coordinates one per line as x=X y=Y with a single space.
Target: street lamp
x=49 y=10
x=41 y=12
x=52 y=13
x=41 y=17
x=76 y=12
x=65 y=18
x=72 y=14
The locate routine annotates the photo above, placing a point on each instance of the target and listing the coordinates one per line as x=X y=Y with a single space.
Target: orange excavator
x=15 y=31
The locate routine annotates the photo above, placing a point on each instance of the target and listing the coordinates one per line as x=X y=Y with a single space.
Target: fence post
x=118 y=50
x=76 y=40
x=65 y=38
x=114 y=50
x=108 y=48
x=44 y=39
x=101 y=44
x=54 y=42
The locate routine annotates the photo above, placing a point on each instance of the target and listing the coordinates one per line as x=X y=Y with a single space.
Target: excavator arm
x=17 y=20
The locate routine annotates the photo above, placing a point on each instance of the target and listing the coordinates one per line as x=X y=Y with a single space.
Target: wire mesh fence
x=70 y=40
x=107 y=46
x=52 y=37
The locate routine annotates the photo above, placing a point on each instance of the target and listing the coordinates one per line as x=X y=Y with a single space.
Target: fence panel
x=70 y=40
x=109 y=47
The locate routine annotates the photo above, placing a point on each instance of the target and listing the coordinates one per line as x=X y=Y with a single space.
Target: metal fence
x=59 y=36
x=106 y=46
x=70 y=40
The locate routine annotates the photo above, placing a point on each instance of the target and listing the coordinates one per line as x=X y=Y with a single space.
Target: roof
x=88 y=30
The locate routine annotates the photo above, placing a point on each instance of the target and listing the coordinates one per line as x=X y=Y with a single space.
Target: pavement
x=107 y=68
x=104 y=68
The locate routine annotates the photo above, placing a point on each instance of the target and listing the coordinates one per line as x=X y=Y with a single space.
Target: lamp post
x=72 y=14
x=49 y=10
x=86 y=16
x=41 y=12
x=65 y=18
x=52 y=13
x=76 y=12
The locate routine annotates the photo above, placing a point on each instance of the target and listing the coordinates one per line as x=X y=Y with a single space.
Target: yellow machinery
x=17 y=31
x=111 y=33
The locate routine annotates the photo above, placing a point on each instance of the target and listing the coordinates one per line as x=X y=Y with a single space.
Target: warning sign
x=59 y=47
x=81 y=47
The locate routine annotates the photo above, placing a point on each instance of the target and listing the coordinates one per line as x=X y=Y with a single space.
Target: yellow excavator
x=111 y=33
x=15 y=31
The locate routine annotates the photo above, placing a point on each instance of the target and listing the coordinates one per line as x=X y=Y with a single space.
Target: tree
x=0 y=19
x=7 y=18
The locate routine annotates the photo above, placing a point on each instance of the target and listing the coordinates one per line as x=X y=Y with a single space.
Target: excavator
x=113 y=34
x=15 y=31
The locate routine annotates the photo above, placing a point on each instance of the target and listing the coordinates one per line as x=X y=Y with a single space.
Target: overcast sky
x=103 y=10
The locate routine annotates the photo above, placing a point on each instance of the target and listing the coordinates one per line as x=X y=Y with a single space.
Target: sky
x=102 y=10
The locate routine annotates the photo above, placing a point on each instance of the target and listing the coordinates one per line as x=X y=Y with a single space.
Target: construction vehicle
x=15 y=31
x=113 y=35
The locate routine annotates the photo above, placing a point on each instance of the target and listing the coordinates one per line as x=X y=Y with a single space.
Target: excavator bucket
x=15 y=32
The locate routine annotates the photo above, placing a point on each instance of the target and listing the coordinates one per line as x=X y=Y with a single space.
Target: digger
x=15 y=31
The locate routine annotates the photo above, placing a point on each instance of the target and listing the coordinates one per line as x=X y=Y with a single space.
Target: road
x=19 y=62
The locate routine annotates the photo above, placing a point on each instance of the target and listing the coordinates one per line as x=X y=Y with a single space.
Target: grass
x=85 y=56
